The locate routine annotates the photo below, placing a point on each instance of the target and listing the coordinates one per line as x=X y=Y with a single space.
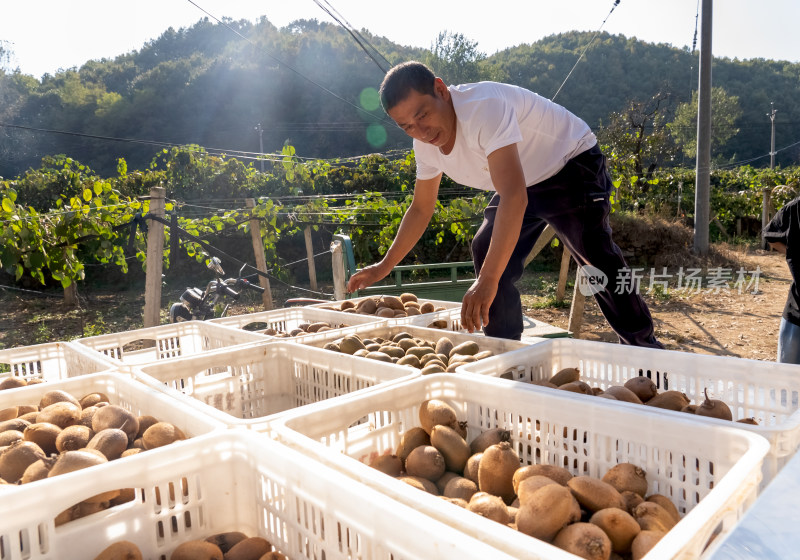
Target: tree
x=638 y=142
x=725 y=111
x=455 y=59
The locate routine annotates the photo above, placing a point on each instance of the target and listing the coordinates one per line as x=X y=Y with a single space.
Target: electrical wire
x=357 y=37
x=589 y=44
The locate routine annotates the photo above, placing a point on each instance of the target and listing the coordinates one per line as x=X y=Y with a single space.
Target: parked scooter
x=201 y=305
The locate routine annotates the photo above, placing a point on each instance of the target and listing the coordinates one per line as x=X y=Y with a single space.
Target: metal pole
x=771 y=116
x=703 y=164
x=260 y=144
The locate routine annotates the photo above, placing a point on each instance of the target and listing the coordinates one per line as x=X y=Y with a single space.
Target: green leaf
x=8 y=205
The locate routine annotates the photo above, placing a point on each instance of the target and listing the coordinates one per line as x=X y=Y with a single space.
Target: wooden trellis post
x=258 y=250
x=155 y=260
x=312 y=269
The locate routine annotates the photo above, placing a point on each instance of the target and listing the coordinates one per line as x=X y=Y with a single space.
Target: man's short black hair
x=403 y=78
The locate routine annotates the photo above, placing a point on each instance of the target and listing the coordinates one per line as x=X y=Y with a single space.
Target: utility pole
x=260 y=144
x=703 y=164
x=771 y=116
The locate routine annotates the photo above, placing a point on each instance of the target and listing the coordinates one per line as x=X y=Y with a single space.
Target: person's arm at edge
x=412 y=226
x=508 y=179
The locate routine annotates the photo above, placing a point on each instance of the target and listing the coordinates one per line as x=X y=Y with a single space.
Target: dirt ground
x=723 y=322
x=730 y=321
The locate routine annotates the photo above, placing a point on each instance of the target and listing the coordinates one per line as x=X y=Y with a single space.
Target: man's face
x=428 y=118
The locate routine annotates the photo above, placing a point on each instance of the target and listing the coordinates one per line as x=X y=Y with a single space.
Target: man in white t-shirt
x=544 y=166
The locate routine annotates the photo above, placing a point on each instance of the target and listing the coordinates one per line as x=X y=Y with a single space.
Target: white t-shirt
x=492 y=115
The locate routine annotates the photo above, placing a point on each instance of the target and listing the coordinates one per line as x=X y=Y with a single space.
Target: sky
x=47 y=35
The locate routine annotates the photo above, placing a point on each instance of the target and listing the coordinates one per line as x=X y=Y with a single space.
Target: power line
x=589 y=44
x=357 y=37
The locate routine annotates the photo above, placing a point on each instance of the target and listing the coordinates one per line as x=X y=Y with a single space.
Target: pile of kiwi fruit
x=390 y=307
x=232 y=545
x=641 y=390
x=62 y=434
x=403 y=348
x=606 y=518
x=302 y=329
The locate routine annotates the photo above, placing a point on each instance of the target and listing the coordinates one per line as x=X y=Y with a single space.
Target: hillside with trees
x=311 y=86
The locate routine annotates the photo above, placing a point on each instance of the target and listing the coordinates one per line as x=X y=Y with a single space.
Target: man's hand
x=366 y=277
x=476 y=303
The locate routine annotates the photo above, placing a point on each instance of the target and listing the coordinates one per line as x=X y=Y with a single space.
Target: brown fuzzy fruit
x=62 y=414
x=549 y=509
x=665 y=503
x=626 y=476
x=669 y=400
x=593 y=494
x=410 y=439
x=584 y=540
x=554 y=472
x=577 y=387
x=529 y=485
x=420 y=483
x=631 y=499
x=653 y=517
x=161 y=434
x=120 y=550
x=496 y=471
x=713 y=408
x=565 y=375
x=17 y=457
x=44 y=435
x=111 y=442
x=644 y=542
x=73 y=438
x=435 y=411
x=643 y=387
x=489 y=506
x=622 y=393
x=752 y=421
x=196 y=550
x=114 y=416
x=12 y=383
x=387 y=464
x=425 y=462
x=620 y=526
x=249 y=548
x=452 y=446
x=471 y=470
x=57 y=395
x=226 y=541
x=460 y=487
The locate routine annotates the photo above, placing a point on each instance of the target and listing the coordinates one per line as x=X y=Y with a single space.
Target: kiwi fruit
x=627 y=476
x=409 y=360
x=752 y=421
x=410 y=439
x=350 y=344
x=593 y=494
x=17 y=457
x=689 y=408
x=114 y=416
x=713 y=408
x=120 y=550
x=8 y=413
x=44 y=435
x=644 y=542
x=665 y=503
x=622 y=393
x=444 y=346
x=631 y=499
x=487 y=438
x=577 y=387
x=531 y=484
x=387 y=464
x=564 y=376
x=145 y=421
x=111 y=442
x=643 y=387
x=70 y=461
x=37 y=470
x=54 y=396
x=434 y=367
x=468 y=348
x=460 y=487
x=547 y=511
x=471 y=469
x=452 y=446
x=10 y=436
x=442 y=481
x=619 y=525
x=367 y=306
x=584 y=540
x=249 y=548
x=669 y=400
x=553 y=472
x=17 y=424
x=161 y=434
x=62 y=414
x=653 y=517
x=420 y=483
x=226 y=541
x=425 y=462
x=196 y=550
x=130 y=452
x=489 y=506
x=496 y=470
x=435 y=411
x=12 y=383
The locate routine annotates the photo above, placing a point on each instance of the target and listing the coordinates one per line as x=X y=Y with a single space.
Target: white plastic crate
x=711 y=472
x=246 y=386
x=768 y=391
x=124 y=391
x=166 y=342
x=496 y=345
x=284 y=320
x=227 y=481
x=53 y=361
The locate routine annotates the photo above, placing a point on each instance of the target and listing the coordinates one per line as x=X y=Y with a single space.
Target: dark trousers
x=575 y=202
